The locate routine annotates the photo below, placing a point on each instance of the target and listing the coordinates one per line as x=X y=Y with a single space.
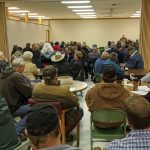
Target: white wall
x=94 y=31
x=21 y=33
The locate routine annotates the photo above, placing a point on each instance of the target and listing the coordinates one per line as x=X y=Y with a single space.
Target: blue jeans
x=21 y=112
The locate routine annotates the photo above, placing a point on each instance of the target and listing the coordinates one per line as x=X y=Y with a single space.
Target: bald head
x=138 y=112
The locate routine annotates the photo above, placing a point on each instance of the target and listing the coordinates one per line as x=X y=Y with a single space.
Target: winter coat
x=14 y=88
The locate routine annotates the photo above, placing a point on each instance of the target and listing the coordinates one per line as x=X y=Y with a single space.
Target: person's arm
x=88 y=99
x=35 y=71
x=73 y=98
x=22 y=86
x=119 y=71
x=131 y=63
x=146 y=78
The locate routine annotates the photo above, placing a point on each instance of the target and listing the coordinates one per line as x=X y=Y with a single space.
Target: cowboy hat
x=57 y=57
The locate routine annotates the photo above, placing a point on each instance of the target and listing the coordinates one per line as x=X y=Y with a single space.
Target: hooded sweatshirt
x=106 y=95
x=62 y=147
x=14 y=88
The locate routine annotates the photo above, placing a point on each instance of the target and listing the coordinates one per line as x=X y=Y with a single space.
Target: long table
x=137 y=72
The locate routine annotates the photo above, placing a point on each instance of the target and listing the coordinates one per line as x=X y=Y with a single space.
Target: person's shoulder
x=115 y=145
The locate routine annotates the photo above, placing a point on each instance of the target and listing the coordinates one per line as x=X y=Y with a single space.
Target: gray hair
x=18 y=62
x=113 y=56
x=27 y=55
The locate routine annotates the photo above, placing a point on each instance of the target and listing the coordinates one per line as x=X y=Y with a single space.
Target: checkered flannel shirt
x=135 y=140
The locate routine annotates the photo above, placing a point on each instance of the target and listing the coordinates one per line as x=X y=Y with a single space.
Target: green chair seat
x=107 y=118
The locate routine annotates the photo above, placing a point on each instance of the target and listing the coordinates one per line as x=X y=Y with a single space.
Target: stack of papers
x=72 y=89
x=142 y=90
x=139 y=92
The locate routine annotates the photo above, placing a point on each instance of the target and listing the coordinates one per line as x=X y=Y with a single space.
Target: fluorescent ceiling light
x=75 y=2
x=81 y=10
x=19 y=11
x=138 y=12
x=135 y=16
x=30 y=14
x=37 y=16
x=13 y=8
x=88 y=17
x=79 y=6
x=85 y=13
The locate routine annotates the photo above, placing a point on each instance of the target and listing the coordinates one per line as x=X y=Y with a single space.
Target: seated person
x=45 y=134
x=77 y=65
x=99 y=62
x=8 y=139
x=64 y=68
x=135 y=61
x=107 y=94
x=3 y=61
x=16 y=89
x=51 y=90
x=95 y=53
x=112 y=61
x=30 y=69
x=138 y=114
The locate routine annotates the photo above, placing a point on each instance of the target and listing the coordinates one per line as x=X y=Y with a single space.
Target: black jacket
x=14 y=88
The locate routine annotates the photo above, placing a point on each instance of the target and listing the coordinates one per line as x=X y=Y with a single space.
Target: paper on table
x=72 y=89
x=143 y=88
x=130 y=84
x=139 y=92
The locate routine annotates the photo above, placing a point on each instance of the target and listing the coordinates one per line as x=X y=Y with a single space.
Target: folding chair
x=64 y=127
x=112 y=118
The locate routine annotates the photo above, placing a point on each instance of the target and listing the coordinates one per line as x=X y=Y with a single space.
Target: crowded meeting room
x=74 y=75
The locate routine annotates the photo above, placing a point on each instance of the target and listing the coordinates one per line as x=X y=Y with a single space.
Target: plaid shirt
x=135 y=140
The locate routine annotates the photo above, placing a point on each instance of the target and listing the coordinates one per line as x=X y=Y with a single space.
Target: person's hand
x=122 y=65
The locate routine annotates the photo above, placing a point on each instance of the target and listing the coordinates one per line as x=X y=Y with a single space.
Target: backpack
x=8 y=136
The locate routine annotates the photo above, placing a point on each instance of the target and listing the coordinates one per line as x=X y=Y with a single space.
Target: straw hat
x=57 y=57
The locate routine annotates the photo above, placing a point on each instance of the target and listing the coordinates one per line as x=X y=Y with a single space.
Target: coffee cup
x=125 y=81
x=135 y=84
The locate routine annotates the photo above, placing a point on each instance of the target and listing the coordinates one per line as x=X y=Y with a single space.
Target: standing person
x=27 y=48
x=138 y=114
x=15 y=88
x=45 y=134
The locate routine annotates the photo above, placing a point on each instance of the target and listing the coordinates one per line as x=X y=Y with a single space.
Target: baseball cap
x=49 y=72
x=42 y=119
x=109 y=72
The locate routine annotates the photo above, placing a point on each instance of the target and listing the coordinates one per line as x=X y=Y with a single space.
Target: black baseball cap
x=109 y=72
x=42 y=119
